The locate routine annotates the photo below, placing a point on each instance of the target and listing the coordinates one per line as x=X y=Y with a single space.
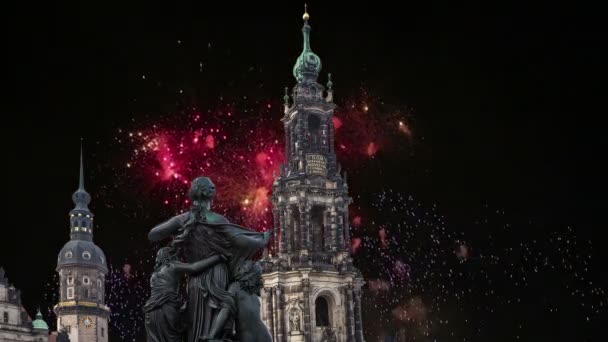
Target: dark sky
x=507 y=98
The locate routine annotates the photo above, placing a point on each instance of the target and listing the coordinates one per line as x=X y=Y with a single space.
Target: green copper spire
x=329 y=82
x=308 y=65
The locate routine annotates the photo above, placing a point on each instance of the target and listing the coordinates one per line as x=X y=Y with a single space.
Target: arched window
x=314 y=124
x=86 y=280
x=321 y=312
x=86 y=293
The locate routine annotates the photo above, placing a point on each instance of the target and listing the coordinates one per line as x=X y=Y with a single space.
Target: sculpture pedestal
x=296 y=336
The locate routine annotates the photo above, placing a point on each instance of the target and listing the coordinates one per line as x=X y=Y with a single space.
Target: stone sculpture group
x=223 y=281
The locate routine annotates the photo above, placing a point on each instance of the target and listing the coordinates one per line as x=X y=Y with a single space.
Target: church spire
x=81 y=197
x=81 y=218
x=81 y=179
x=308 y=65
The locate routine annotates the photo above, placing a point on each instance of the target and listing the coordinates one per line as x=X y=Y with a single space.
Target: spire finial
x=286 y=97
x=81 y=180
x=329 y=82
x=305 y=16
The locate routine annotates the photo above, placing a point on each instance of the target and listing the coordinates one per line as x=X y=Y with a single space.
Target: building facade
x=312 y=291
x=82 y=270
x=15 y=323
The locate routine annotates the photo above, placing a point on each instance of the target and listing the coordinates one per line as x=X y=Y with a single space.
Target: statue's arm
x=199 y=266
x=165 y=229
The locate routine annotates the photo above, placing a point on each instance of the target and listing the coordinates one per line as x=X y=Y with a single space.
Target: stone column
x=333 y=224
x=329 y=237
x=346 y=244
x=307 y=328
x=275 y=232
x=358 y=321
x=275 y=313
x=283 y=231
x=350 y=320
x=308 y=211
x=331 y=133
x=339 y=242
x=290 y=228
x=281 y=315
x=304 y=226
x=287 y=142
x=269 y=310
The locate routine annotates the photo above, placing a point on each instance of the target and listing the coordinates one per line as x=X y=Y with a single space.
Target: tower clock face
x=86 y=322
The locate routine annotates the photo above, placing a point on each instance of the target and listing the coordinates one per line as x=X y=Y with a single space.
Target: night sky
x=472 y=138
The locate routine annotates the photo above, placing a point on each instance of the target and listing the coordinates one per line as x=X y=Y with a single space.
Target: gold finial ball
x=305 y=16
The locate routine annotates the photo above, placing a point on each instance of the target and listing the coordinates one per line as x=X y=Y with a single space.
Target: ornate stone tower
x=82 y=270
x=312 y=291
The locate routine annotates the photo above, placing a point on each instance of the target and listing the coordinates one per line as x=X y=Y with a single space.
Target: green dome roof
x=39 y=323
x=308 y=65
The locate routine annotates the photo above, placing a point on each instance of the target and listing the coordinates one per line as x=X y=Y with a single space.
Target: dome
x=81 y=198
x=82 y=253
x=308 y=64
x=39 y=323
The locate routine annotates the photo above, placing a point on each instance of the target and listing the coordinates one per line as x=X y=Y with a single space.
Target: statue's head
x=202 y=190
x=164 y=256
x=249 y=276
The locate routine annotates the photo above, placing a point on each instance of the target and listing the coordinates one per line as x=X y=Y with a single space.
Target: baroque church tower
x=312 y=292
x=82 y=270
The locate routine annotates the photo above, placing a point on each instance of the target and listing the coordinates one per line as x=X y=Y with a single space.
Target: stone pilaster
x=289 y=230
x=350 y=320
x=307 y=324
x=358 y=322
x=283 y=231
x=333 y=224
x=339 y=241
x=346 y=230
x=304 y=226
x=275 y=231
x=276 y=317
x=287 y=142
x=331 y=134
x=330 y=233
x=280 y=314
x=270 y=310
x=266 y=311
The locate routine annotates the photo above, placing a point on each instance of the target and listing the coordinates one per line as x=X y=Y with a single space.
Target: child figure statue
x=162 y=310
x=246 y=290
